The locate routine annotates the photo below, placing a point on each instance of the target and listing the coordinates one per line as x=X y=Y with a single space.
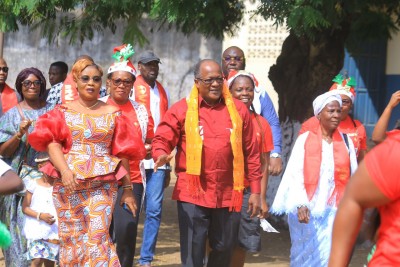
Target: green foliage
x=360 y=20
x=78 y=20
x=209 y=17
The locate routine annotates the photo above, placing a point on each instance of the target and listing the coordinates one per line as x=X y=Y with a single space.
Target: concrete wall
x=178 y=53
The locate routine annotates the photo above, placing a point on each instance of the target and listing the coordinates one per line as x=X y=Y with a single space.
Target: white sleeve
x=31 y=185
x=132 y=94
x=4 y=167
x=291 y=192
x=353 y=157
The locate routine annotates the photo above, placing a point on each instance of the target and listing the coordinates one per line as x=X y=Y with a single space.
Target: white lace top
x=42 y=201
x=292 y=193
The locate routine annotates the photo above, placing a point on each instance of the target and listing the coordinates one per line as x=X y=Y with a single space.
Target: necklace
x=97 y=102
x=327 y=138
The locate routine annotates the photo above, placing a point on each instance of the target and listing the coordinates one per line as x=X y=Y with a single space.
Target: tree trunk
x=303 y=71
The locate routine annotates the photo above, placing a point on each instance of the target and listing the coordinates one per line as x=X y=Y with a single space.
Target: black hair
x=61 y=65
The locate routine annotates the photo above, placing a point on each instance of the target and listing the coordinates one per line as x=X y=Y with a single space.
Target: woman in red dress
x=88 y=142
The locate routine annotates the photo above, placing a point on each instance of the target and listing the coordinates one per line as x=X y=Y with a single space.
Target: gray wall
x=178 y=53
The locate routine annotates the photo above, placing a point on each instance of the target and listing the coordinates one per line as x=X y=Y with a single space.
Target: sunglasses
x=235 y=58
x=28 y=83
x=118 y=82
x=86 y=79
x=210 y=81
x=4 y=69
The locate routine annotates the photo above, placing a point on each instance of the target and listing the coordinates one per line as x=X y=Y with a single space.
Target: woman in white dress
x=318 y=170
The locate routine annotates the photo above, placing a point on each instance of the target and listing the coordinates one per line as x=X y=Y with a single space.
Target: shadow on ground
x=275 y=247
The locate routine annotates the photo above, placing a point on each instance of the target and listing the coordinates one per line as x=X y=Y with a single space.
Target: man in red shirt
x=216 y=150
x=150 y=93
x=8 y=97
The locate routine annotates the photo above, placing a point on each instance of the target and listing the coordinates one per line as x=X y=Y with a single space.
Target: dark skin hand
x=303 y=214
x=254 y=205
x=162 y=160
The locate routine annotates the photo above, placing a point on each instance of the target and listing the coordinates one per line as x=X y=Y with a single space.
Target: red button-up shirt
x=217 y=158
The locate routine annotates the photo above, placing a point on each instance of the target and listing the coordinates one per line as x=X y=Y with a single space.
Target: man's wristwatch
x=275 y=155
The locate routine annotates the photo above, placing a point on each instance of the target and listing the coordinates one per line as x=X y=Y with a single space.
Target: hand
x=254 y=205
x=23 y=127
x=69 y=181
x=47 y=218
x=162 y=160
x=394 y=100
x=264 y=209
x=167 y=178
x=303 y=214
x=128 y=198
x=148 y=151
x=275 y=166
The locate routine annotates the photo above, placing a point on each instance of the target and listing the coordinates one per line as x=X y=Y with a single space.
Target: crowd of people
x=82 y=160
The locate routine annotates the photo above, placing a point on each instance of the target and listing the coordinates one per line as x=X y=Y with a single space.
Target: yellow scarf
x=194 y=146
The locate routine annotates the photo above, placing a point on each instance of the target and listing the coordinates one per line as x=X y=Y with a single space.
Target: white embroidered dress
x=310 y=242
x=42 y=201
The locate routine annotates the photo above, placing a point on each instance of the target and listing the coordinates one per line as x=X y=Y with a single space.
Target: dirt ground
x=275 y=247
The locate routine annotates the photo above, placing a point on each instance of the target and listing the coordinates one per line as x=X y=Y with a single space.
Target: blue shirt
x=269 y=113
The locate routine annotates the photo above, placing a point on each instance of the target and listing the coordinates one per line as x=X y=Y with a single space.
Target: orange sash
x=68 y=91
x=8 y=98
x=142 y=95
x=312 y=164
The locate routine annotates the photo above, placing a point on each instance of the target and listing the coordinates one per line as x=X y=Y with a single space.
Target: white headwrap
x=122 y=66
x=322 y=100
x=345 y=92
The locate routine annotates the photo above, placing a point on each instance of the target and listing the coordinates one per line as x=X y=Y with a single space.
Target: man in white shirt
x=149 y=92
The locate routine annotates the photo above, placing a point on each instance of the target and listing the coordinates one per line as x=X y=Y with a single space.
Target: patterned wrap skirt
x=84 y=218
x=311 y=242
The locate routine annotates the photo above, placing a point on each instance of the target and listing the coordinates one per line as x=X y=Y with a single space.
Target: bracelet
x=64 y=171
x=128 y=186
x=301 y=206
x=19 y=138
x=38 y=216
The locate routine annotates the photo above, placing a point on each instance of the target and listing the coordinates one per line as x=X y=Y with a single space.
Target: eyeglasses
x=28 y=83
x=118 y=82
x=4 y=69
x=211 y=80
x=86 y=79
x=346 y=102
x=235 y=58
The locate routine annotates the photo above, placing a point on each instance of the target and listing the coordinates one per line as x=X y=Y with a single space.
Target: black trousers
x=196 y=223
x=124 y=227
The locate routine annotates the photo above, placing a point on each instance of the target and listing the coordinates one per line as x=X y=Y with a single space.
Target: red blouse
x=92 y=143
